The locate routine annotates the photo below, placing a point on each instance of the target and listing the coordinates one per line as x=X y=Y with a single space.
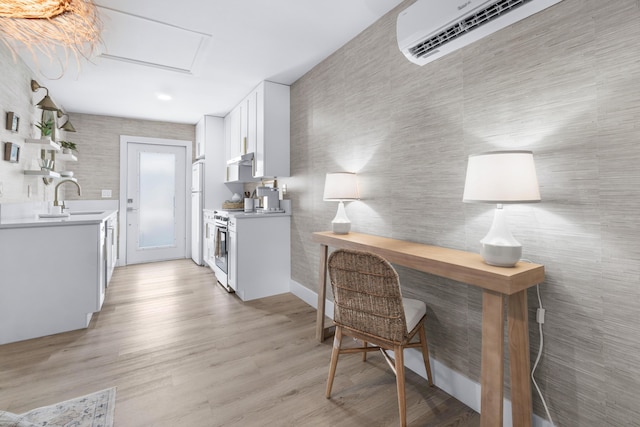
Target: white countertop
x=242 y=214
x=77 y=217
x=285 y=205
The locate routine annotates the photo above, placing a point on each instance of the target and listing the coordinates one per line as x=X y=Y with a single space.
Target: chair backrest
x=366 y=294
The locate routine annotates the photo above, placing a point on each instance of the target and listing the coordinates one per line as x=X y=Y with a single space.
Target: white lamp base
x=341 y=224
x=499 y=247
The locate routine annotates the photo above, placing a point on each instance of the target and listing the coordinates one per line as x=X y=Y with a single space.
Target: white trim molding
x=126 y=139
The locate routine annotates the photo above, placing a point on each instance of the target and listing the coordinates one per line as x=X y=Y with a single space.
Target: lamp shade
x=68 y=126
x=47 y=104
x=501 y=177
x=341 y=186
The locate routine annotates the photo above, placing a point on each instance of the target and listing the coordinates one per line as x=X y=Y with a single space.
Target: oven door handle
x=219 y=250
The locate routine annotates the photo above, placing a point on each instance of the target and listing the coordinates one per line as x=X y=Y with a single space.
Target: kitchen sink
x=87 y=213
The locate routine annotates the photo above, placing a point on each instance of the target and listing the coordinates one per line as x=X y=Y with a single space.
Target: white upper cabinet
x=259 y=124
x=252 y=122
x=235 y=132
x=201 y=138
x=272 y=130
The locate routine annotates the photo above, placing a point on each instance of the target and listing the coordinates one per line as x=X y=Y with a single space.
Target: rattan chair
x=368 y=306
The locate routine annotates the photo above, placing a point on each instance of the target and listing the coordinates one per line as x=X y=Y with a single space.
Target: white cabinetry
x=57 y=277
x=241 y=136
x=260 y=125
x=216 y=191
x=259 y=262
x=210 y=137
x=272 y=130
x=201 y=138
x=209 y=238
x=111 y=245
x=232 y=256
x=250 y=103
x=237 y=132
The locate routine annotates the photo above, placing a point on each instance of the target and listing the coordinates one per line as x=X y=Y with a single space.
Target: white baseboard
x=310 y=297
x=452 y=382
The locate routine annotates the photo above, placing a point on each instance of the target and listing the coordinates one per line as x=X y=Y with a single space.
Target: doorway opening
x=154 y=212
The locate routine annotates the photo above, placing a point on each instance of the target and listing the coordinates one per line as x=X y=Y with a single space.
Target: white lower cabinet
x=209 y=238
x=111 y=245
x=54 y=278
x=232 y=257
x=259 y=255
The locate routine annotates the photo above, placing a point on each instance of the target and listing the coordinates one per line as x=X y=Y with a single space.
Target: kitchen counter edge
x=34 y=221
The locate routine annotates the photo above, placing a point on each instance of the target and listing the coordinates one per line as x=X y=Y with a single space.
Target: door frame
x=124 y=175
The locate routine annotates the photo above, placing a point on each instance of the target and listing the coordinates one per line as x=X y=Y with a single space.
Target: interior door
x=156 y=203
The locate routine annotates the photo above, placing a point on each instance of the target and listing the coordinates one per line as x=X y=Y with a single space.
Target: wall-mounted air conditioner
x=430 y=29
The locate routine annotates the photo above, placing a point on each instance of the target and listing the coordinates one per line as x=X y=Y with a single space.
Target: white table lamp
x=501 y=177
x=341 y=187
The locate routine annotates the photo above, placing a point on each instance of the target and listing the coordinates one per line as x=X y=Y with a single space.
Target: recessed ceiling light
x=164 y=97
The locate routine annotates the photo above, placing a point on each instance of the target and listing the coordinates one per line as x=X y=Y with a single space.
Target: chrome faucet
x=55 y=200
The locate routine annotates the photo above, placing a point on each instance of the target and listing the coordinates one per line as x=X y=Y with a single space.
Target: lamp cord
x=540 y=320
x=535 y=365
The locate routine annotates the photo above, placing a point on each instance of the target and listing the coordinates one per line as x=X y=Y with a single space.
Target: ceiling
x=205 y=55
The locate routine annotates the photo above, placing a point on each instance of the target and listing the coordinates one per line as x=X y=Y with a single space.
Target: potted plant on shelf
x=68 y=146
x=46 y=128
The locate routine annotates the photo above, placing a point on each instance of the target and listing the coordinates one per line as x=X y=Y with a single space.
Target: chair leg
x=364 y=353
x=425 y=354
x=398 y=353
x=335 y=352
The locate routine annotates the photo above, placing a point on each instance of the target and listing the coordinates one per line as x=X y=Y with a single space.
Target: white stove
x=221 y=251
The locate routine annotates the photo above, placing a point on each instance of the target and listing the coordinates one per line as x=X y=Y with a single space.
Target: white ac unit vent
x=430 y=29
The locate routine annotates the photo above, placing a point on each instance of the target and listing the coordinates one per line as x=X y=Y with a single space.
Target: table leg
x=322 y=292
x=492 y=367
x=519 y=363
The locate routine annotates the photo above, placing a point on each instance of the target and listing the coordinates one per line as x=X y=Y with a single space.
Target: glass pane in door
x=157 y=200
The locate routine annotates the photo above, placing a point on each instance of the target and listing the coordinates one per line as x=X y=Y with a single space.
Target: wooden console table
x=499 y=285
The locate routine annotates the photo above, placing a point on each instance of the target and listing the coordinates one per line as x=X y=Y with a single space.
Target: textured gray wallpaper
x=98 y=140
x=565 y=84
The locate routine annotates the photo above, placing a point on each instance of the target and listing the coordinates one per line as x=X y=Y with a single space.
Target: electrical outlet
x=106 y=194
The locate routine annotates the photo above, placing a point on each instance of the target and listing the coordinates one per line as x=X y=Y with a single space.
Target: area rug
x=93 y=410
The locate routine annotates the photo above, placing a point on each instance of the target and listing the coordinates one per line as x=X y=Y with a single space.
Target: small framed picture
x=11 y=152
x=13 y=121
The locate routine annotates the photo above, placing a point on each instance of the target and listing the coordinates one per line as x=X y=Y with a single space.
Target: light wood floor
x=183 y=352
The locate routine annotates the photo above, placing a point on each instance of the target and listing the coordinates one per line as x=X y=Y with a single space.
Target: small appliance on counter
x=270 y=198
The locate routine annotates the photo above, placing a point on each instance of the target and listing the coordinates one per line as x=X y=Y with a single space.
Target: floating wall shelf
x=44 y=174
x=67 y=157
x=45 y=144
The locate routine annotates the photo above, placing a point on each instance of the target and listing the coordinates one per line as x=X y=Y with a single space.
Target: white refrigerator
x=197 y=204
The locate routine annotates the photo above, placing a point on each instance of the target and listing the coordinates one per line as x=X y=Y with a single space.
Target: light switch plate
x=106 y=194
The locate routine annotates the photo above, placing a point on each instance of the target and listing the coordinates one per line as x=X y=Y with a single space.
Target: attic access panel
x=143 y=41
